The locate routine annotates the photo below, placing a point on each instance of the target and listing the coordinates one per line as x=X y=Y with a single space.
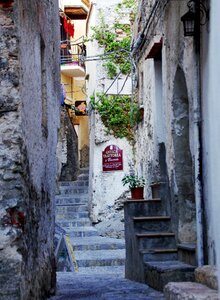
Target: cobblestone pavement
x=101 y=286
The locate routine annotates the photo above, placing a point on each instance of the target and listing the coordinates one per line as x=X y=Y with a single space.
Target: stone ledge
x=189 y=291
x=187 y=247
x=166 y=266
x=207 y=275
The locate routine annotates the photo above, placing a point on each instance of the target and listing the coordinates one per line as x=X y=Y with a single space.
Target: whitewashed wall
x=213 y=126
x=105 y=187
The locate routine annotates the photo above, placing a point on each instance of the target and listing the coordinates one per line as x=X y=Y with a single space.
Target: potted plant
x=136 y=185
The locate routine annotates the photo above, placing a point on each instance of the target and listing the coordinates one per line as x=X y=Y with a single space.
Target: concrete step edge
x=155 y=235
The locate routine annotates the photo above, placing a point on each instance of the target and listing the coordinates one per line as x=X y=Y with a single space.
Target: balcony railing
x=73 y=54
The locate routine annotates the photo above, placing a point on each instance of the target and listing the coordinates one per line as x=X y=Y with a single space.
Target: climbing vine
x=118 y=114
x=116 y=39
x=115 y=49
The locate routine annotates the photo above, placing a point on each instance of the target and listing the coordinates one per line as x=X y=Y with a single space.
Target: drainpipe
x=198 y=183
x=198 y=150
x=89 y=15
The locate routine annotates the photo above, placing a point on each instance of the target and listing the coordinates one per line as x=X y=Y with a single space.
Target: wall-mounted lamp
x=196 y=15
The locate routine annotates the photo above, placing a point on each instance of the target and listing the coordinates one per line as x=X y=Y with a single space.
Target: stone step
x=100 y=258
x=151 y=218
x=83 y=177
x=70 y=216
x=82 y=231
x=158 y=274
x=69 y=200
x=189 y=291
x=73 y=190
x=156 y=240
x=75 y=223
x=77 y=183
x=145 y=207
x=106 y=270
x=74 y=216
x=153 y=223
x=84 y=170
x=97 y=243
x=68 y=209
x=159 y=254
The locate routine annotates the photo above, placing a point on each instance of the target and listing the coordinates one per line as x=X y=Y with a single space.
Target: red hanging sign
x=112 y=159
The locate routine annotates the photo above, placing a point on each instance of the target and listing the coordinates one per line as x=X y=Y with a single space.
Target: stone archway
x=183 y=161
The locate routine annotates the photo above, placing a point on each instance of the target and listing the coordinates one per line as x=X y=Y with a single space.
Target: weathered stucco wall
x=208 y=86
x=29 y=117
x=212 y=125
x=169 y=97
x=67 y=150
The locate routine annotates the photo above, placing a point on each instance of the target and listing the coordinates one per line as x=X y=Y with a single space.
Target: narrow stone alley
x=109 y=142
x=73 y=286
x=93 y=264
x=90 y=251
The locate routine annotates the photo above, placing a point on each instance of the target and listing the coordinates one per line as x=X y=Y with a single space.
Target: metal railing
x=73 y=54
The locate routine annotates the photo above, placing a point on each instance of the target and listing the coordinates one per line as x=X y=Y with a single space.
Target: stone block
x=207 y=275
x=189 y=291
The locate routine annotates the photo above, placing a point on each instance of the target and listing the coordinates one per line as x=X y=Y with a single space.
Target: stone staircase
x=92 y=252
x=151 y=250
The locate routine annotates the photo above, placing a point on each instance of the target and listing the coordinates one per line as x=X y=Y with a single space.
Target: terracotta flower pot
x=137 y=193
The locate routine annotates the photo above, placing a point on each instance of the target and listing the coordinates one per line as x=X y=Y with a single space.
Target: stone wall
x=29 y=118
x=168 y=94
x=68 y=142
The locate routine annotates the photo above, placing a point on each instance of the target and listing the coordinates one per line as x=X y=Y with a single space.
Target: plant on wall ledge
x=118 y=114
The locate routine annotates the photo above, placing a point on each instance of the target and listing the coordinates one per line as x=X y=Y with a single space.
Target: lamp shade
x=189 y=23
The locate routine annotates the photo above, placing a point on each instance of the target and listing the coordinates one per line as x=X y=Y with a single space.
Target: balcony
x=72 y=60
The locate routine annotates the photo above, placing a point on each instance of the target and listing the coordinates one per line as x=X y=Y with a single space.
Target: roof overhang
x=76 y=12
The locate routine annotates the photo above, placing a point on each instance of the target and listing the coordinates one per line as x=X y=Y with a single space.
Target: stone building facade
x=171 y=82
x=29 y=118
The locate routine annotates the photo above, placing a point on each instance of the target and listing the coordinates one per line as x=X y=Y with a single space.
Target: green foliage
x=117 y=48
x=128 y=4
x=133 y=181
x=103 y=35
x=118 y=114
x=111 y=69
